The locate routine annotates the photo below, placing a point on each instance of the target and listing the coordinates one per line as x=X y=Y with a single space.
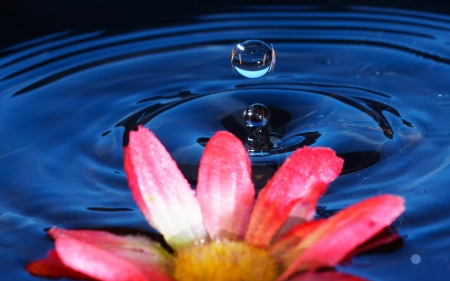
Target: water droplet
x=415 y=259
x=257 y=115
x=253 y=58
x=366 y=180
x=420 y=191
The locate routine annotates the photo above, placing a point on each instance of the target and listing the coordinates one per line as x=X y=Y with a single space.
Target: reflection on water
x=370 y=83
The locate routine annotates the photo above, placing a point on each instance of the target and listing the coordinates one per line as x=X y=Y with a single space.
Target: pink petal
x=102 y=255
x=225 y=190
x=299 y=183
x=105 y=265
x=160 y=190
x=342 y=233
x=111 y=242
x=324 y=276
x=386 y=236
x=291 y=239
x=52 y=266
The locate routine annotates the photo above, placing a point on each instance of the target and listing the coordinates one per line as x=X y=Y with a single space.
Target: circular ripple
x=370 y=83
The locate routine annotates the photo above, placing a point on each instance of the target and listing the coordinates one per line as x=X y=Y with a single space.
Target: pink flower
x=220 y=232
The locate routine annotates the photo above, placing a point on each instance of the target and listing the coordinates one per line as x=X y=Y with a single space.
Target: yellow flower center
x=225 y=261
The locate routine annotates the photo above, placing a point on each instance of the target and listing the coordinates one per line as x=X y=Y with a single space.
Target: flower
x=220 y=232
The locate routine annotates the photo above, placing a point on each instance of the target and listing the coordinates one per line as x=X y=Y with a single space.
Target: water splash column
x=257 y=118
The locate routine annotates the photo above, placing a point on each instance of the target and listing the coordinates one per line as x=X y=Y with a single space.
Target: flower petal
x=349 y=228
x=299 y=183
x=324 y=276
x=52 y=266
x=225 y=190
x=160 y=190
x=292 y=238
x=108 y=241
x=106 y=265
x=384 y=237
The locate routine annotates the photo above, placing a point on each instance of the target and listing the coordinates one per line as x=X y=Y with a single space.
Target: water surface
x=370 y=83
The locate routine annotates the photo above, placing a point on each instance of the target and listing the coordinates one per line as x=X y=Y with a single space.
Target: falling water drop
x=253 y=58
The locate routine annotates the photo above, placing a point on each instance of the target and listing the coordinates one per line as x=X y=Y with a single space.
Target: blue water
x=370 y=83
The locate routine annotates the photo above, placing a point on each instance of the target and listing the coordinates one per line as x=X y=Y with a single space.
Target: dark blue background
x=26 y=19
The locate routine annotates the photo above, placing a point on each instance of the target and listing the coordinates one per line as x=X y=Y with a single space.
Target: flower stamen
x=225 y=260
